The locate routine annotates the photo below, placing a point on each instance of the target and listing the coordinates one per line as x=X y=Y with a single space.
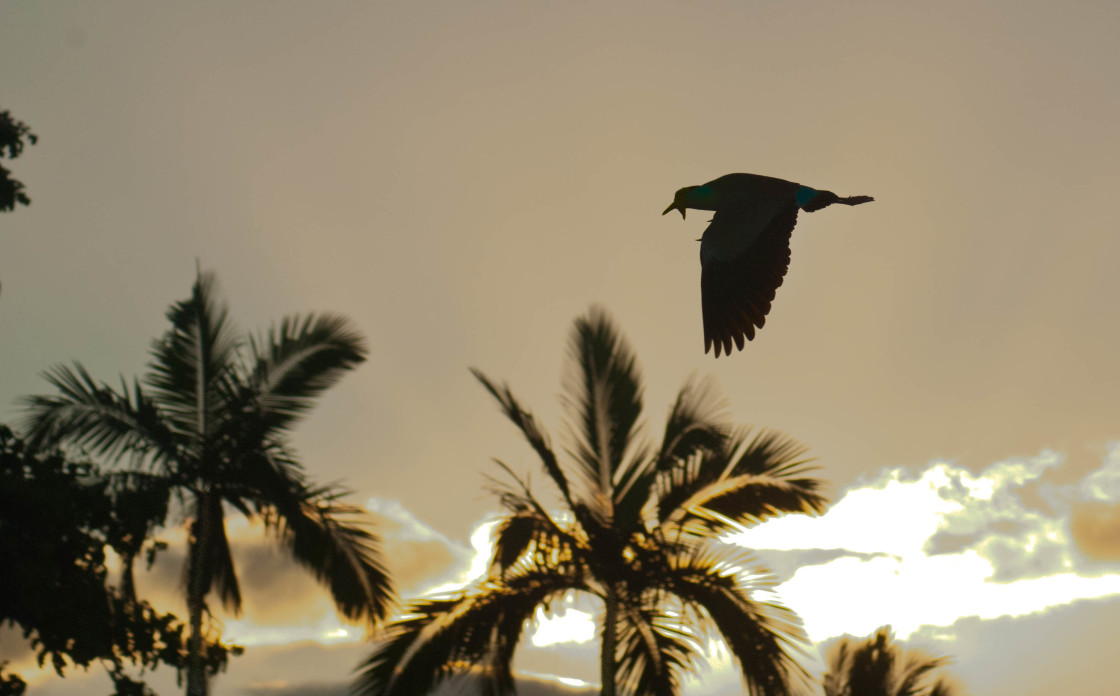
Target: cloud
x=1096 y=530
x=932 y=548
x=527 y=685
x=276 y=590
x=287 y=604
x=283 y=688
x=418 y=557
x=1095 y=524
x=1104 y=483
x=282 y=601
x=567 y=625
x=1068 y=649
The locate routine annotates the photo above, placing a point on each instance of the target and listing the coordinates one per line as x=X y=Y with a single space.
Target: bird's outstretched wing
x=736 y=288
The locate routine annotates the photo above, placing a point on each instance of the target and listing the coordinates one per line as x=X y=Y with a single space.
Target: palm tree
x=878 y=667
x=637 y=528
x=212 y=419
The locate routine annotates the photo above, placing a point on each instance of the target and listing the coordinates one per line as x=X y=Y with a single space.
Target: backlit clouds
x=927 y=550
x=1096 y=529
x=282 y=602
x=418 y=557
x=921 y=550
x=564 y=625
x=1095 y=526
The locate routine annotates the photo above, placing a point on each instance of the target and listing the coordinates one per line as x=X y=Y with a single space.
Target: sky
x=463 y=180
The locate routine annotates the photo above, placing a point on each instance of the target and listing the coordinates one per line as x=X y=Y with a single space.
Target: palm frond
x=773 y=453
x=654 y=651
x=880 y=667
x=293 y=363
x=379 y=673
x=727 y=504
x=537 y=437
x=834 y=680
x=633 y=496
x=529 y=527
x=678 y=485
x=942 y=687
x=602 y=388
x=872 y=665
x=438 y=638
x=695 y=423
x=747 y=481
x=514 y=536
x=765 y=638
x=914 y=672
x=693 y=426
x=98 y=417
x=190 y=360
x=332 y=540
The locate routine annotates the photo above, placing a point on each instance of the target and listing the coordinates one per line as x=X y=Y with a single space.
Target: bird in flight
x=744 y=252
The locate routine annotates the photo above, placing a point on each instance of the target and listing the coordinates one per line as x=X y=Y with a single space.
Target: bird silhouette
x=744 y=252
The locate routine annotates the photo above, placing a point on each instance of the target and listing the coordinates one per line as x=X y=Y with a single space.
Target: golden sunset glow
x=462 y=180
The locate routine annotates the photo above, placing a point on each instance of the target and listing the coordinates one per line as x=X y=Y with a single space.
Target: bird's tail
x=823 y=199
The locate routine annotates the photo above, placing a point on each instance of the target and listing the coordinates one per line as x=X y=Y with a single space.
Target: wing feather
x=736 y=292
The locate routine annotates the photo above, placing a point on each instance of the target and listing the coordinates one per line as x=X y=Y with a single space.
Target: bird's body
x=744 y=252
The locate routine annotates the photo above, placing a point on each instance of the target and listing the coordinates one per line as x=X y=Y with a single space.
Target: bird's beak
x=674 y=206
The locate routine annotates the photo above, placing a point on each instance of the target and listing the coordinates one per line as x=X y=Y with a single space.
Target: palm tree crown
x=212 y=419
x=637 y=529
x=879 y=667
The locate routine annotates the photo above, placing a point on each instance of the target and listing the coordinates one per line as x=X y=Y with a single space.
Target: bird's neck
x=804 y=195
x=701 y=198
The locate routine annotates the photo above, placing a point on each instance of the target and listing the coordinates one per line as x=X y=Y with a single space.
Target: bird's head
x=681 y=199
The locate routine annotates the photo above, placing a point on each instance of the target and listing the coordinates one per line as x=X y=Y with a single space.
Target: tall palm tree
x=877 y=666
x=212 y=418
x=637 y=527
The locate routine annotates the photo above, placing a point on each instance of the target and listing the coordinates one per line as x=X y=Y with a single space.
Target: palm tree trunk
x=196 y=597
x=196 y=670
x=610 y=638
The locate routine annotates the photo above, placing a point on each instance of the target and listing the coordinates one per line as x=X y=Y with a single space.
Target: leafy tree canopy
x=57 y=520
x=13 y=136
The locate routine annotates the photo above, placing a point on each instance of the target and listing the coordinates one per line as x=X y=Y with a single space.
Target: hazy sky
x=464 y=179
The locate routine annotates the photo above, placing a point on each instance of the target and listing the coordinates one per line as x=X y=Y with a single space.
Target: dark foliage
x=11 y=685
x=57 y=520
x=877 y=666
x=13 y=136
x=211 y=422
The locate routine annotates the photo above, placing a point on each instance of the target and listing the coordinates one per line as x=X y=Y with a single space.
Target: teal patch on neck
x=702 y=195
x=804 y=195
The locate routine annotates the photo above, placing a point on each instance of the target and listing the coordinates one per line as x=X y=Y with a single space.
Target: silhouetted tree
x=56 y=520
x=877 y=666
x=13 y=136
x=213 y=421
x=11 y=684
x=638 y=528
